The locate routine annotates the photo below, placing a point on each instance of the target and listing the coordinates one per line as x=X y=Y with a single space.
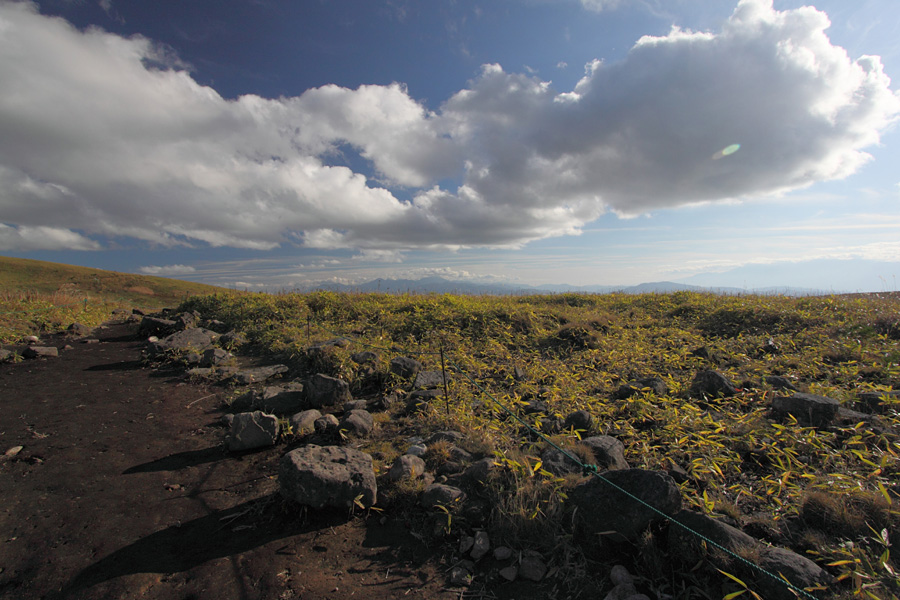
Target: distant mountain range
x=439 y=285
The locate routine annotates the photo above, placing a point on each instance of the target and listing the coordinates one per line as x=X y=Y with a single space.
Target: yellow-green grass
x=40 y=297
x=576 y=350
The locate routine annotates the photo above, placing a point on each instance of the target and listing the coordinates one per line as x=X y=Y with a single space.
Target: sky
x=273 y=144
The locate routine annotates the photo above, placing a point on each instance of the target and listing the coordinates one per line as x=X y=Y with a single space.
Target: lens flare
x=726 y=151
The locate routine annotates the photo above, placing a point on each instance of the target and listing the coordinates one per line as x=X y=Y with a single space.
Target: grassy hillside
x=830 y=493
x=38 y=296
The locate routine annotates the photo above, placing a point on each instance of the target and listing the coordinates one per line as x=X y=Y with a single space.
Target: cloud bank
x=107 y=137
x=167 y=270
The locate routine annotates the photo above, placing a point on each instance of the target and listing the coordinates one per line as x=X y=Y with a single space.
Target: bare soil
x=123 y=489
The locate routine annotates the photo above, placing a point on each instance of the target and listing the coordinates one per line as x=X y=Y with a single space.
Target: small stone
x=619 y=575
x=305 y=422
x=355 y=405
x=252 y=430
x=327 y=424
x=438 y=493
x=502 y=553
x=405 y=367
x=509 y=573
x=13 y=451
x=417 y=450
x=40 y=351
x=90 y=341
x=466 y=543
x=532 y=566
x=460 y=576
x=31 y=339
x=358 y=422
x=406 y=467
x=481 y=546
x=361 y=358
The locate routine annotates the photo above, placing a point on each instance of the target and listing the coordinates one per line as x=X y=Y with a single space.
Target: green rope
x=587 y=469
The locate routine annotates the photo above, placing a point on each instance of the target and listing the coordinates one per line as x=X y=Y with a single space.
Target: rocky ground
x=122 y=488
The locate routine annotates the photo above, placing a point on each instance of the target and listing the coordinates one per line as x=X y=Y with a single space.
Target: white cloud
x=43 y=238
x=167 y=270
x=96 y=139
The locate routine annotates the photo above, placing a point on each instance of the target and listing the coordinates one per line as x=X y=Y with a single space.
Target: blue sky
x=267 y=145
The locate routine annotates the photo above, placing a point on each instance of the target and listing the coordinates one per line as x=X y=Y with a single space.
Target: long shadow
x=124 y=365
x=181 y=548
x=179 y=460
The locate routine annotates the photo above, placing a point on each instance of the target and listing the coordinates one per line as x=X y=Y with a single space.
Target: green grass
x=576 y=350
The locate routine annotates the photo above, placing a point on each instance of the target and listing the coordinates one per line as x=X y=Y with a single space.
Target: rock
x=31 y=339
x=5 y=355
x=653 y=384
x=808 y=409
x=285 y=400
x=481 y=546
x=365 y=357
x=319 y=476
x=479 y=471
x=138 y=312
x=770 y=347
x=252 y=430
x=117 y=312
x=191 y=358
x=90 y=341
x=405 y=367
x=305 y=422
x=40 y=351
x=189 y=340
x=509 y=573
x=323 y=390
x=417 y=450
x=438 y=493
x=79 y=330
x=156 y=326
x=465 y=544
x=871 y=401
x=558 y=463
x=217 y=326
x=233 y=339
x=355 y=405
x=622 y=591
x=603 y=508
x=258 y=374
x=579 y=420
x=406 y=467
x=421 y=398
x=186 y=320
x=532 y=566
x=327 y=425
x=619 y=575
x=799 y=570
x=780 y=383
x=519 y=373
x=358 y=422
x=609 y=452
x=711 y=383
x=444 y=436
x=502 y=553
x=461 y=574
x=535 y=406
x=426 y=380
x=214 y=356
x=687 y=546
x=11 y=452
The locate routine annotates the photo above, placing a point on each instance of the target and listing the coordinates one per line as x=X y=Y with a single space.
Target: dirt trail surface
x=123 y=490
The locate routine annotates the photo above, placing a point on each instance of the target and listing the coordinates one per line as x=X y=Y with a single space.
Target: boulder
x=406 y=467
x=190 y=340
x=319 y=476
x=5 y=355
x=354 y=405
x=79 y=330
x=809 y=409
x=480 y=546
x=40 y=351
x=780 y=383
x=358 y=422
x=711 y=383
x=609 y=453
x=324 y=390
x=252 y=430
x=438 y=493
x=580 y=420
x=327 y=425
x=305 y=422
x=426 y=380
x=799 y=570
x=258 y=374
x=156 y=326
x=601 y=507
x=872 y=401
x=532 y=566
x=479 y=472
x=687 y=546
x=364 y=357
x=233 y=339
x=212 y=357
x=405 y=367
x=558 y=463
x=421 y=398
x=279 y=400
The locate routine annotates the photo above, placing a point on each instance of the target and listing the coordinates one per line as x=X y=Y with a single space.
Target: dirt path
x=123 y=490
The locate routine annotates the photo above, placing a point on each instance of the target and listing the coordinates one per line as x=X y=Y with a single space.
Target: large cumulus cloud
x=101 y=135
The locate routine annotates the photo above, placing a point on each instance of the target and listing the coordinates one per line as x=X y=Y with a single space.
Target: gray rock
x=405 y=367
x=532 y=566
x=426 y=380
x=189 y=340
x=608 y=452
x=406 y=467
x=622 y=591
x=358 y=422
x=214 y=356
x=654 y=384
x=481 y=546
x=619 y=575
x=252 y=430
x=444 y=436
x=502 y=553
x=417 y=449
x=5 y=355
x=799 y=570
x=319 y=476
x=186 y=320
x=327 y=425
x=579 y=420
x=509 y=573
x=323 y=390
x=871 y=401
x=558 y=463
x=365 y=357
x=479 y=471
x=461 y=574
x=438 y=493
x=465 y=543
x=40 y=351
x=258 y=374
x=780 y=383
x=305 y=422
x=355 y=405
x=421 y=398
x=156 y=326
x=31 y=339
x=79 y=330
x=711 y=383
x=685 y=545
x=808 y=409
x=604 y=508
x=90 y=341
x=279 y=400
x=233 y=339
